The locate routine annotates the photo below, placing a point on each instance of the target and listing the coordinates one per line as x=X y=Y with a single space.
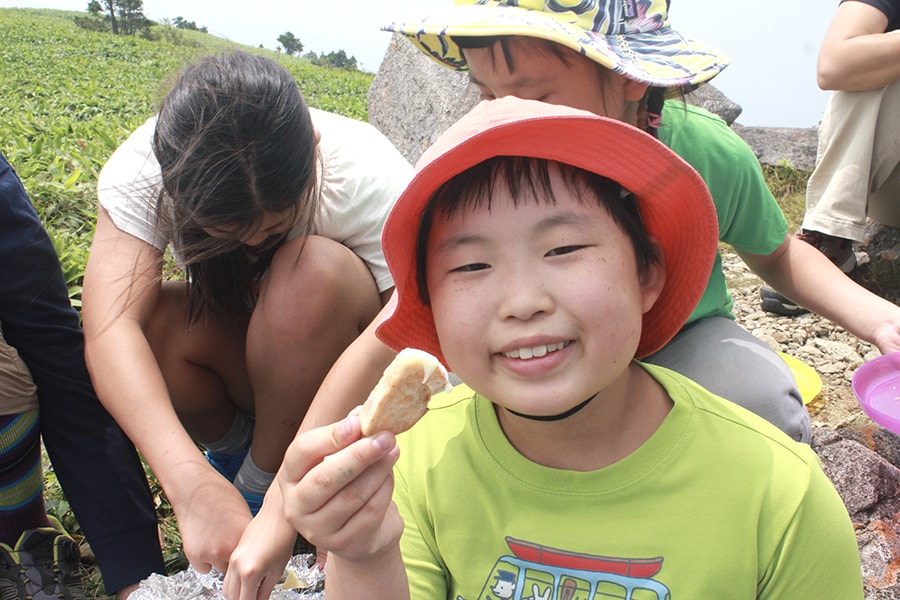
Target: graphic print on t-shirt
x=537 y=572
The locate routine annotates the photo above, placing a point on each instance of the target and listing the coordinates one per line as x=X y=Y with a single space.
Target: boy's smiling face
x=537 y=307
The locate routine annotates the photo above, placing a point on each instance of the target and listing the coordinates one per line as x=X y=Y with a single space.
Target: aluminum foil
x=302 y=580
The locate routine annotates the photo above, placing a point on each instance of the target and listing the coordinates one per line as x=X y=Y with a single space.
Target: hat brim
x=673 y=201
x=661 y=58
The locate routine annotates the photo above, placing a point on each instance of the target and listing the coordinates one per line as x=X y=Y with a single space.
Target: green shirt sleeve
x=750 y=219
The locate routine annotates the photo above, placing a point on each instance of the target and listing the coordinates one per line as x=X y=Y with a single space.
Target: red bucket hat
x=673 y=200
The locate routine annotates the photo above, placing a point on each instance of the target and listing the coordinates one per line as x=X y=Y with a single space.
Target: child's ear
x=635 y=90
x=652 y=280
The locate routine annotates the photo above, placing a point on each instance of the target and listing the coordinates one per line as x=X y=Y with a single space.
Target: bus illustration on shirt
x=537 y=572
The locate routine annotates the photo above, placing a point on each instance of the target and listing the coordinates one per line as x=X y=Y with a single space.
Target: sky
x=773 y=47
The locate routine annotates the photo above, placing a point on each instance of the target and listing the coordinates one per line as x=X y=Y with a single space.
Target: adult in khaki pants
x=857 y=174
x=858 y=166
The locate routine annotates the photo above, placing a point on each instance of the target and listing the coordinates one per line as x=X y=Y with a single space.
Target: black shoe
x=773 y=302
x=43 y=565
x=837 y=250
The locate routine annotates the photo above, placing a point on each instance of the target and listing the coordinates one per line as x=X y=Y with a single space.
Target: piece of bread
x=401 y=396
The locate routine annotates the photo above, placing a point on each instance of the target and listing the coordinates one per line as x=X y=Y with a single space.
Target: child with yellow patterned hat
x=622 y=59
x=539 y=251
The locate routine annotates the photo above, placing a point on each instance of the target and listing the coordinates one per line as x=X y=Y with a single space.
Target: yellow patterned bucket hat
x=630 y=37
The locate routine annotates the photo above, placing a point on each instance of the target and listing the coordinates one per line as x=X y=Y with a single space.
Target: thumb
x=311 y=447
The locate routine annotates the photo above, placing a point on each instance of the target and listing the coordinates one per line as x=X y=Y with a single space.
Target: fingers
x=236 y=588
x=355 y=472
x=211 y=521
x=311 y=447
x=340 y=502
x=363 y=514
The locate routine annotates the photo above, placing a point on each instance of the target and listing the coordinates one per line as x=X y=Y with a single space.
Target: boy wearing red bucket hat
x=538 y=251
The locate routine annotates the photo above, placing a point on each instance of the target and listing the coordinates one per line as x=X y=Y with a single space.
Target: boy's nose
x=524 y=299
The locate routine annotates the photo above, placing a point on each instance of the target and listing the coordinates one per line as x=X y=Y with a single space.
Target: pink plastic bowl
x=877 y=385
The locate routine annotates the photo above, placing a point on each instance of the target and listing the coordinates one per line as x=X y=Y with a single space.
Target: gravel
x=833 y=352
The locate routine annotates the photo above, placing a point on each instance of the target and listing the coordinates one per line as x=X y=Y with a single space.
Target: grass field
x=71 y=96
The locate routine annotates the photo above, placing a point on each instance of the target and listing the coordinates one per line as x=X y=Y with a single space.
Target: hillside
x=70 y=96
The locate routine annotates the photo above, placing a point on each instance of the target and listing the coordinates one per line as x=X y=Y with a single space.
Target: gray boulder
x=710 y=98
x=881 y=273
x=782 y=146
x=413 y=99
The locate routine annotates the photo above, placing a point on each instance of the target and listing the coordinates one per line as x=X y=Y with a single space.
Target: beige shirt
x=361 y=175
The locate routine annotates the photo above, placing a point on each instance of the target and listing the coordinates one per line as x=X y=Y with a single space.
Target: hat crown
x=604 y=17
x=629 y=37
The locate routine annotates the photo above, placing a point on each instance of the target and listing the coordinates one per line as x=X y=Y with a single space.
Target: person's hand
x=211 y=515
x=887 y=337
x=336 y=487
x=258 y=562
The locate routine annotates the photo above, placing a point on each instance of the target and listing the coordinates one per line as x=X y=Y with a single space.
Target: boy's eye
x=470 y=268
x=564 y=250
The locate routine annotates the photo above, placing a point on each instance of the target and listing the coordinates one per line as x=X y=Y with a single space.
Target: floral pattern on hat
x=630 y=37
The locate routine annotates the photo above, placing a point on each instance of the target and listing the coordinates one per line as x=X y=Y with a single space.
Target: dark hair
x=476 y=42
x=528 y=179
x=651 y=105
x=234 y=141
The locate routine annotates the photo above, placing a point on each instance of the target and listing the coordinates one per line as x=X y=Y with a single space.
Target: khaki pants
x=18 y=393
x=857 y=172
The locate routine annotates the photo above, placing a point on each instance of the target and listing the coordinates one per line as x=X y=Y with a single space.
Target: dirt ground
x=834 y=353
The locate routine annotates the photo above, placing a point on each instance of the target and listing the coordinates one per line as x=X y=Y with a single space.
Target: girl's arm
x=801 y=272
x=352 y=376
x=121 y=289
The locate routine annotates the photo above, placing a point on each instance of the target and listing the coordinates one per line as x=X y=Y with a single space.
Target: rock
x=867 y=483
x=790 y=146
x=881 y=274
x=879 y=550
x=876 y=439
x=710 y=98
x=869 y=486
x=413 y=99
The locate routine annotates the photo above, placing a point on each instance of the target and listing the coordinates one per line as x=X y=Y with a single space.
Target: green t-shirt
x=716 y=504
x=750 y=219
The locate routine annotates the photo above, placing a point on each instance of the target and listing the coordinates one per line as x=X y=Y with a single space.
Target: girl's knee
x=318 y=274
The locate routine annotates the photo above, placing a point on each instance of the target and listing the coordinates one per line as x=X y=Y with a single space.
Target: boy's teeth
x=536 y=351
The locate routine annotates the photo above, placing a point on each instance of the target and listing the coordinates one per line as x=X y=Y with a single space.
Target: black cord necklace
x=559 y=417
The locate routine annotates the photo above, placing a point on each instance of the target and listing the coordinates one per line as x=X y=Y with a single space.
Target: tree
x=97 y=8
x=337 y=60
x=181 y=23
x=131 y=16
x=290 y=43
x=124 y=16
